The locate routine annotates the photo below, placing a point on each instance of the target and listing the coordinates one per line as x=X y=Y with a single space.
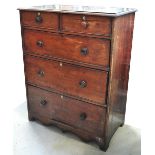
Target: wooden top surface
x=90 y=10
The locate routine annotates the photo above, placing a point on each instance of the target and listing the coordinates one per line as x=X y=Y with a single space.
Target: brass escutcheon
x=60 y=64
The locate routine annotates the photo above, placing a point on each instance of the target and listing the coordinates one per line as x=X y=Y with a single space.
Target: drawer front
x=86 y=24
x=83 y=49
x=40 y=19
x=74 y=80
x=67 y=110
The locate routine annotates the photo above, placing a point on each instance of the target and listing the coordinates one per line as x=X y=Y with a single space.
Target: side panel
x=122 y=31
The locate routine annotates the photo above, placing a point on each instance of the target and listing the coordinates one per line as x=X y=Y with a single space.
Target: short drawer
x=69 y=79
x=40 y=19
x=86 y=24
x=72 y=112
x=80 y=49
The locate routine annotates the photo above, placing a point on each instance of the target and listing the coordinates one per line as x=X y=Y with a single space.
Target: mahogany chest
x=76 y=62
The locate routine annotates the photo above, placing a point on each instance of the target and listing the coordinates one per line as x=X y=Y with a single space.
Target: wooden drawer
x=67 y=110
x=86 y=24
x=74 y=48
x=39 y=19
x=70 y=79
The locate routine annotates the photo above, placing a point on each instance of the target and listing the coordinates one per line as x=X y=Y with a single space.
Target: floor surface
x=32 y=138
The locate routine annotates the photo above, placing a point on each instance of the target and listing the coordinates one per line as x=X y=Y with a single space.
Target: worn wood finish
x=75 y=48
x=67 y=110
x=66 y=78
x=119 y=75
x=82 y=10
x=48 y=20
x=83 y=92
x=83 y=135
x=86 y=24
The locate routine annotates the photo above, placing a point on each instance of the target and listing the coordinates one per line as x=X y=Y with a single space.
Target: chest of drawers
x=76 y=62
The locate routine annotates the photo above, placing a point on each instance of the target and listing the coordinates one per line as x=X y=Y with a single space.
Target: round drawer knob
x=83 y=84
x=84 y=51
x=83 y=116
x=38 y=19
x=43 y=102
x=84 y=24
x=41 y=73
x=39 y=43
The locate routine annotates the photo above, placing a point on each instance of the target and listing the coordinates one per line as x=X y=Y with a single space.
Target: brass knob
x=38 y=19
x=39 y=43
x=41 y=73
x=43 y=102
x=84 y=24
x=84 y=51
x=83 y=116
x=83 y=84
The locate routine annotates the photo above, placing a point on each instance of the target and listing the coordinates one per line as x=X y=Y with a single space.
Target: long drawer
x=70 y=79
x=80 y=49
x=72 y=112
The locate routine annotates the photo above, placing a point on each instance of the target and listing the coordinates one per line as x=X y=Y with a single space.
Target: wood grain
x=82 y=93
x=66 y=110
x=70 y=49
x=120 y=63
x=66 y=78
x=95 y=25
x=49 y=20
